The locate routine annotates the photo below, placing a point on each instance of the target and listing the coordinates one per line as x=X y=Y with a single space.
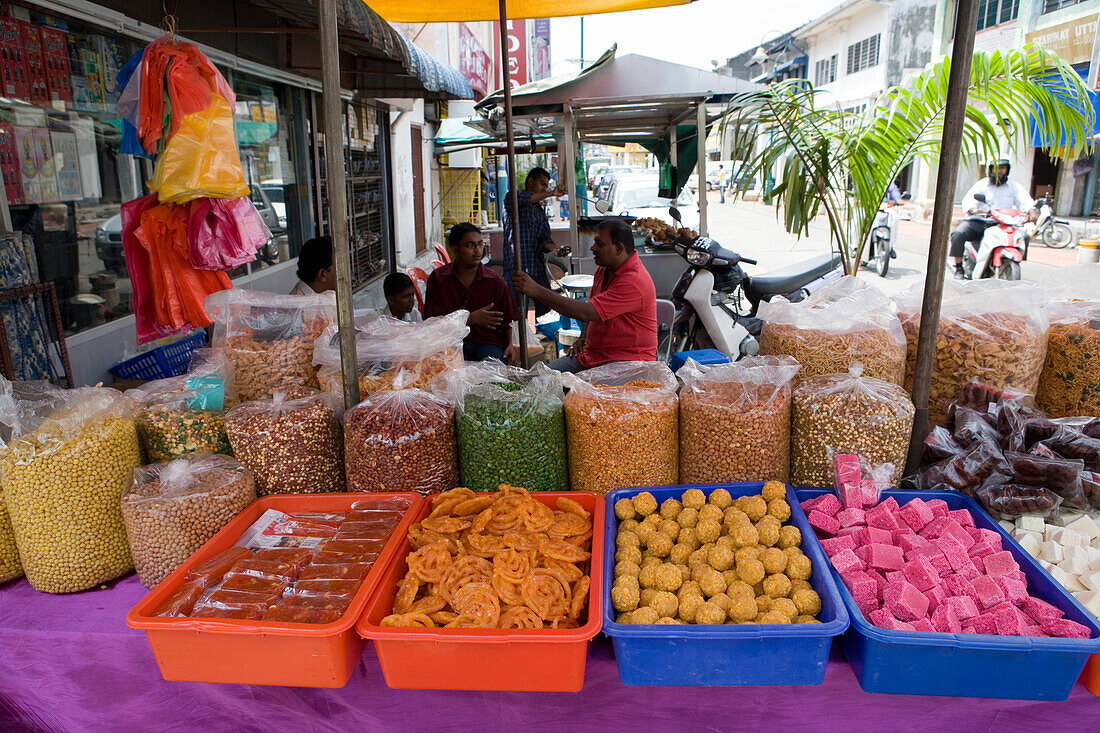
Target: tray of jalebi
x=492 y=592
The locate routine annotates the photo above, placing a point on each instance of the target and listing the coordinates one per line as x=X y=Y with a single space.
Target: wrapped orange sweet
x=504 y=560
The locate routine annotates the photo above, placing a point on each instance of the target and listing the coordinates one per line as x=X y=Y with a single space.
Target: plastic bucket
x=1087 y=251
x=546 y=660
x=264 y=652
x=969 y=665
x=725 y=655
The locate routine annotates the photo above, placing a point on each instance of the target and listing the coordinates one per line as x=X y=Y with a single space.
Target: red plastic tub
x=265 y=652
x=543 y=660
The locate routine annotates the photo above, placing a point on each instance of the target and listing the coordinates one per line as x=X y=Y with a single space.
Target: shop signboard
x=473 y=62
x=1072 y=40
x=540 y=49
x=517 y=51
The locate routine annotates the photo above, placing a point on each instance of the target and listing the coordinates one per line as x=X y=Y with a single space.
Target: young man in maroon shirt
x=621 y=314
x=466 y=283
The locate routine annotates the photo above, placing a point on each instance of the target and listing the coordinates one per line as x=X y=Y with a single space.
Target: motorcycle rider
x=1000 y=193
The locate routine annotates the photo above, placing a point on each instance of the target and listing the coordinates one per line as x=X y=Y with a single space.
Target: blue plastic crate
x=169 y=360
x=969 y=665
x=703 y=356
x=724 y=655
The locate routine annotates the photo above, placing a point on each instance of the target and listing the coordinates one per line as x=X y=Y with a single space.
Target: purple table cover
x=69 y=663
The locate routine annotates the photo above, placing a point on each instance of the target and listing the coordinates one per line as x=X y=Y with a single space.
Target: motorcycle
x=880 y=248
x=1003 y=246
x=710 y=297
x=1052 y=232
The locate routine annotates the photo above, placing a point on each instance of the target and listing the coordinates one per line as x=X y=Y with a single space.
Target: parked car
x=273 y=187
x=609 y=176
x=637 y=195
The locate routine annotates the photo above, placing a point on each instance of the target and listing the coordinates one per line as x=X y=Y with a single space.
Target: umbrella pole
x=966 y=18
x=512 y=199
x=337 y=196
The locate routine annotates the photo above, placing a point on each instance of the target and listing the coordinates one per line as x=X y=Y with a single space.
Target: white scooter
x=710 y=312
x=1055 y=233
x=1002 y=248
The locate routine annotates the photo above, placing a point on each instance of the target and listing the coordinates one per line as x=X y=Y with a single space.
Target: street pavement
x=752 y=230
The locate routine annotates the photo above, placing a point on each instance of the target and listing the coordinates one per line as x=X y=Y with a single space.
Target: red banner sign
x=473 y=61
x=517 y=50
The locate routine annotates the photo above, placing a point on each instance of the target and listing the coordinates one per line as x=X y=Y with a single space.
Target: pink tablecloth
x=70 y=664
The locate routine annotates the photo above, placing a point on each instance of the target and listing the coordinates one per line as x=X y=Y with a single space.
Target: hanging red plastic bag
x=225 y=233
x=191 y=81
x=201 y=158
x=139 y=264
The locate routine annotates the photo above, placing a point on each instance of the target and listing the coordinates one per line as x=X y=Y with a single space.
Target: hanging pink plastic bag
x=225 y=233
x=201 y=158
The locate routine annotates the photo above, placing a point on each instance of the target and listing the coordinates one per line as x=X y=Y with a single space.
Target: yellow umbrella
x=433 y=11
x=439 y=11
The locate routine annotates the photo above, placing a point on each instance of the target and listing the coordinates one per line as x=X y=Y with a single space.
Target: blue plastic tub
x=969 y=665
x=703 y=356
x=726 y=655
x=165 y=361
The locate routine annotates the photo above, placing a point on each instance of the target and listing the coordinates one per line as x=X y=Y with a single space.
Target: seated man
x=466 y=283
x=400 y=298
x=316 y=273
x=620 y=315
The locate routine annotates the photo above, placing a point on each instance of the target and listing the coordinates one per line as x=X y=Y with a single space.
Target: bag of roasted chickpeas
x=172 y=508
x=621 y=425
x=69 y=455
x=735 y=420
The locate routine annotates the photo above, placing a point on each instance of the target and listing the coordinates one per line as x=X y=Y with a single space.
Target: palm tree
x=843 y=163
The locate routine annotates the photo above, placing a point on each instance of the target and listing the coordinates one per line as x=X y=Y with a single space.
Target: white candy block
x=1095 y=543
x=1058 y=574
x=1031 y=544
x=1020 y=534
x=1094 y=558
x=1085 y=524
x=1067 y=537
x=1091 y=580
x=1008 y=526
x=1051 y=551
x=1031 y=523
x=1044 y=564
x=1049 y=532
x=1091 y=601
x=1075 y=566
x=1076 y=553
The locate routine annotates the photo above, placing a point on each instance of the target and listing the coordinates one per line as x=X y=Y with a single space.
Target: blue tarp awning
x=435 y=76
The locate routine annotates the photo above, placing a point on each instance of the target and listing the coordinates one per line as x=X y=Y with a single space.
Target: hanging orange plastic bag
x=201 y=159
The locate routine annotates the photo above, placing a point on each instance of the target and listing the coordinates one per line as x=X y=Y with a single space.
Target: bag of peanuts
x=10 y=565
x=268 y=337
x=847 y=413
x=64 y=471
x=172 y=508
x=735 y=420
x=622 y=426
x=994 y=331
x=511 y=426
x=386 y=347
x=401 y=440
x=1070 y=381
x=292 y=442
x=846 y=321
x=183 y=414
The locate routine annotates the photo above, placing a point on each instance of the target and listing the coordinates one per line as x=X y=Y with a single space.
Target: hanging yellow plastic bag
x=201 y=159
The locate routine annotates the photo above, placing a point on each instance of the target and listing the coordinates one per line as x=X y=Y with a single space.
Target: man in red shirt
x=621 y=314
x=466 y=283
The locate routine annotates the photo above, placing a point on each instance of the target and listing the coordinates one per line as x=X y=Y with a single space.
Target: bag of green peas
x=511 y=426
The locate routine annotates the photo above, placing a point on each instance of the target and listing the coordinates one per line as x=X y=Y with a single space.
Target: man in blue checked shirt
x=534 y=231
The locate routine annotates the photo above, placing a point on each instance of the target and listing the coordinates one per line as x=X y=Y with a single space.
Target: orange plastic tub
x=540 y=660
x=1090 y=678
x=265 y=652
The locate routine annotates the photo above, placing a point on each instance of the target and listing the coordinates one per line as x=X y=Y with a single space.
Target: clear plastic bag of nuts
x=994 y=331
x=401 y=440
x=63 y=474
x=1070 y=381
x=622 y=426
x=511 y=426
x=386 y=347
x=10 y=565
x=847 y=413
x=292 y=443
x=268 y=337
x=844 y=322
x=172 y=507
x=735 y=420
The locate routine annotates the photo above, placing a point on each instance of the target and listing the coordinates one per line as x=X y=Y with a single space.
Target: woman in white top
x=316 y=273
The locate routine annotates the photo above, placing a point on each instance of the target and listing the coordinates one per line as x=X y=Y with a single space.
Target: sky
x=692 y=34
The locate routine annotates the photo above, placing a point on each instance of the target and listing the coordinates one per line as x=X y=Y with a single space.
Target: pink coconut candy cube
x=962 y=516
x=879 y=578
x=1066 y=629
x=964 y=607
x=1015 y=590
x=847 y=561
x=936 y=595
x=980 y=549
x=1041 y=611
x=1000 y=563
x=916 y=514
x=826 y=504
x=851 y=495
x=992 y=537
x=959 y=532
x=919 y=572
x=938 y=506
x=883 y=557
x=989 y=593
x=882 y=518
x=834 y=545
x=823 y=522
x=848 y=470
x=851 y=517
x=861 y=585
x=946 y=620
x=911 y=542
x=905 y=601
x=1009 y=620
x=924 y=624
x=934 y=529
x=878 y=536
x=984 y=624
x=953 y=550
x=891 y=504
x=958 y=586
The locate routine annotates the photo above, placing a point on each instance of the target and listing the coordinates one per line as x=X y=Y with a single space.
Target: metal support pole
x=966 y=19
x=512 y=200
x=337 y=196
x=569 y=149
x=701 y=145
x=672 y=153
